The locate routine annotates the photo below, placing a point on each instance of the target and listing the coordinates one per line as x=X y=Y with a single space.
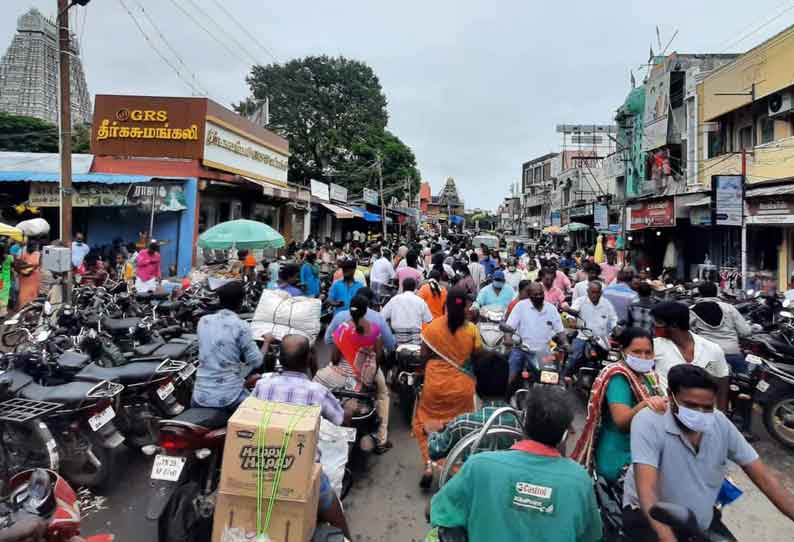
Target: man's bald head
x=537 y=295
x=295 y=353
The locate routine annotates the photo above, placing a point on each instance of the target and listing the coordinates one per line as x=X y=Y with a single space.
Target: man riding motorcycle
x=537 y=322
x=227 y=353
x=498 y=293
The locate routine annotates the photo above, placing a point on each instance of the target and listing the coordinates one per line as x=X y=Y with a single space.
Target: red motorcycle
x=39 y=502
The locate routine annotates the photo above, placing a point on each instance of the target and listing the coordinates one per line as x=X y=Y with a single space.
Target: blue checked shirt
x=297 y=389
x=227 y=355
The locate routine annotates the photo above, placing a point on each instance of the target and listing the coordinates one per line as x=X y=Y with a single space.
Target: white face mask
x=638 y=364
x=694 y=420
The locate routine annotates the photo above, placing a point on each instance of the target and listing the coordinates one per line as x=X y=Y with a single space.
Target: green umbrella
x=241 y=234
x=574 y=226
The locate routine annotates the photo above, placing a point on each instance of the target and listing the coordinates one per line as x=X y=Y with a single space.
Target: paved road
x=388 y=505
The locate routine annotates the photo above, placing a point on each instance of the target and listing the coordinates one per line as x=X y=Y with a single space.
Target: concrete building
x=755 y=122
x=29 y=73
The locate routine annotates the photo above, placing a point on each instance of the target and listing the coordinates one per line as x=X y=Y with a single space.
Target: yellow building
x=746 y=112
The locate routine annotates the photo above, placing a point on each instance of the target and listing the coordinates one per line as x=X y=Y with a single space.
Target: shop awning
x=100 y=178
x=699 y=202
x=341 y=212
x=43 y=162
x=779 y=190
x=366 y=215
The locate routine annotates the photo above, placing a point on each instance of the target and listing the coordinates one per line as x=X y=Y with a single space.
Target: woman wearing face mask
x=621 y=390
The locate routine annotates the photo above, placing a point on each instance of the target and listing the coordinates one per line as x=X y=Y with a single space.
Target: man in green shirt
x=491 y=371
x=527 y=493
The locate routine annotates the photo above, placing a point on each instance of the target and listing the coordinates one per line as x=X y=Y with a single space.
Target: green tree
x=333 y=111
x=28 y=134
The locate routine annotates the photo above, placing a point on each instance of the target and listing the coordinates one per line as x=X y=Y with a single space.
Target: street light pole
x=65 y=121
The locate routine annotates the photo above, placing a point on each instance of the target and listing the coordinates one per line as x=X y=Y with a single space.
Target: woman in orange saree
x=448 y=343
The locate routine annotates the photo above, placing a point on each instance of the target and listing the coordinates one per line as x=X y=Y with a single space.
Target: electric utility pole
x=379 y=163
x=65 y=107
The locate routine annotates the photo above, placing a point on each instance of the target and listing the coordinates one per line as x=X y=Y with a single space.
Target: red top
x=535 y=448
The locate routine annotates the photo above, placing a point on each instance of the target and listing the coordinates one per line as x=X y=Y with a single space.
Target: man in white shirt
x=382 y=272
x=580 y=290
x=79 y=250
x=537 y=322
x=599 y=317
x=675 y=344
x=477 y=272
x=407 y=312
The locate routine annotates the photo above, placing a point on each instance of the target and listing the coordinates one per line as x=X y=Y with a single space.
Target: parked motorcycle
x=40 y=496
x=775 y=393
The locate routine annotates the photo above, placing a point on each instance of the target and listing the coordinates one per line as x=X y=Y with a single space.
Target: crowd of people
x=655 y=426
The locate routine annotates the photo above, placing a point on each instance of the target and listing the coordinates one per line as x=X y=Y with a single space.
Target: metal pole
x=744 y=222
x=382 y=201
x=65 y=107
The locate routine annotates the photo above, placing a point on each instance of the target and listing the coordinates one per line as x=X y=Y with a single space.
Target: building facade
x=29 y=73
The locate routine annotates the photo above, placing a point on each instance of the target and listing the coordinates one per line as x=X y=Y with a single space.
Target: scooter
x=39 y=500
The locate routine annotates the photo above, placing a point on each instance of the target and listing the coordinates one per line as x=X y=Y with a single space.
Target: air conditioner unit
x=781 y=103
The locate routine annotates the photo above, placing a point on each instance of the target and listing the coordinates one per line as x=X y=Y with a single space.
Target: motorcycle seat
x=148 y=349
x=208 y=418
x=131 y=373
x=71 y=393
x=120 y=324
x=780 y=346
x=168 y=306
x=73 y=360
x=151 y=296
x=172 y=350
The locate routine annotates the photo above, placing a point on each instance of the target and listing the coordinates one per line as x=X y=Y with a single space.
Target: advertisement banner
x=727 y=200
x=652 y=214
x=94 y=195
x=226 y=150
x=582 y=210
x=772 y=210
x=657 y=107
x=556 y=218
x=166 y=197
x=338 y=193
x=319 y=190
x=600 y=216
x=371 y=196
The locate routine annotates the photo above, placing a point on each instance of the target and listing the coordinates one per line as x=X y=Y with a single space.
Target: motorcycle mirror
x=678 y=517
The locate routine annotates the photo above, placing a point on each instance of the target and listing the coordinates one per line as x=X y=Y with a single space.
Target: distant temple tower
x=29 y=73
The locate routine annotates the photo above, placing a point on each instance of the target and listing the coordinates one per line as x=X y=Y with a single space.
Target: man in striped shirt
x=491 y=370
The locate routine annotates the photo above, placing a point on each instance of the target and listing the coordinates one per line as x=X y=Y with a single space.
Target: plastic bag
x=333 y=445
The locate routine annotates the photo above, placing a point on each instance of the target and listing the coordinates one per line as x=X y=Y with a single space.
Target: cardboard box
x=241 y=452
x=235 y=517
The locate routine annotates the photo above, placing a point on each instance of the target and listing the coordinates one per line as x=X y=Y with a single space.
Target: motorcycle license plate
x=167 y=467
x=165 y=390
x=549 y=377
x=762 y=386
x=100 y=420
x=187 y=372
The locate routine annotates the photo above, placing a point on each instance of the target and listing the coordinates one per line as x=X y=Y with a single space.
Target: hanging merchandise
x=599 y=250
x=670 y=256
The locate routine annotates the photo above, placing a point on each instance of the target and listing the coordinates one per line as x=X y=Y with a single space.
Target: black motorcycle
x=774 y=391
x=407 y=375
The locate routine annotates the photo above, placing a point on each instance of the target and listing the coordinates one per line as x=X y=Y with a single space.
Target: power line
x=245 y=30
x=156 y=50
x=171 y=48
x=198 y=23
x=757 y=28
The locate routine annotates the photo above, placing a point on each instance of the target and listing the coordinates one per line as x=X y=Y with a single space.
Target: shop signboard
x=770 y=210
x=148 y=126
x=370 y=196
x=600 y=216
x=164 y=196
x=614 y=228
x=727 y=199
x=657 y=105
x=700 y=215
x=320 y=190
x=85 y=195
x=338 y=193
x=582 y=210
x=230 y=150
x=556 y=218
x=652 y=214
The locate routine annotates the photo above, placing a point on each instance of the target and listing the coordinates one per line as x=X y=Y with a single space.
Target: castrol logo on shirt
x=532 y=490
